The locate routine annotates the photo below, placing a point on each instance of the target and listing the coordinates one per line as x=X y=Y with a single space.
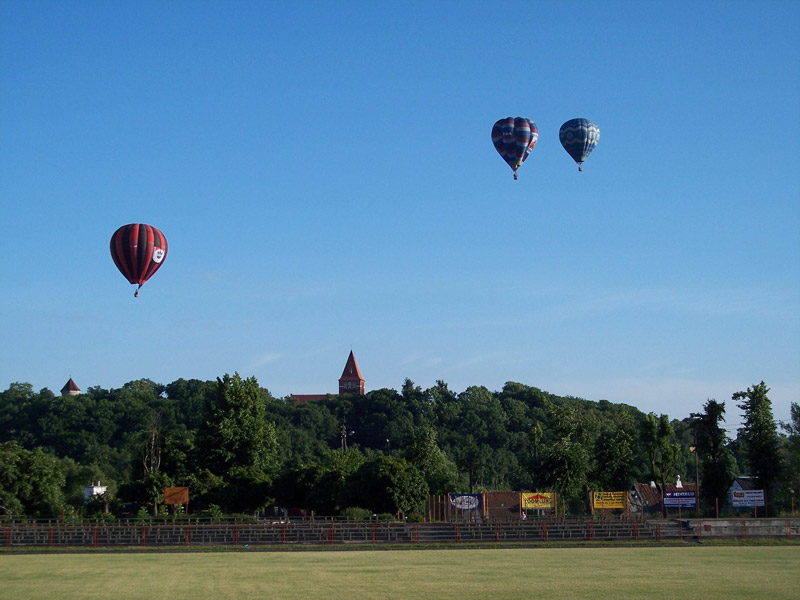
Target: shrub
x=215 y=512
x=354 y=513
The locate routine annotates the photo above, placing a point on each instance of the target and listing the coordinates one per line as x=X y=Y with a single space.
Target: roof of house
x=351 y=371
x=70 y=386
x=651 y=496
x=301 y=398
x=745 y=482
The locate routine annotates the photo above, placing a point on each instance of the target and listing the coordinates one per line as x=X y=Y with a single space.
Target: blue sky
x=325 y=178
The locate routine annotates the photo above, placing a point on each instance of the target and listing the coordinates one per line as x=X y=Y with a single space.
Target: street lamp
x=344 y=433
x=693 y=450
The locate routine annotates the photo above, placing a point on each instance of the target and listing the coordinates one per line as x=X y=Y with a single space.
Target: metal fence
x=269 y=534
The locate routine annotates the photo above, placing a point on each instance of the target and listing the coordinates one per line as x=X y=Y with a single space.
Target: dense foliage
x=239 y=449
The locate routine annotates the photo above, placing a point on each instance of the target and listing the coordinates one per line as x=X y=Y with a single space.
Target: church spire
x=351 y=381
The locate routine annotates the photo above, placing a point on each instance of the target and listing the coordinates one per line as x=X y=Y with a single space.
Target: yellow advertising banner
x=609 y=499
x=538 y=499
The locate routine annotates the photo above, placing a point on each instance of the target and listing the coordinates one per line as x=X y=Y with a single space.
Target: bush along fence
x=330 y=533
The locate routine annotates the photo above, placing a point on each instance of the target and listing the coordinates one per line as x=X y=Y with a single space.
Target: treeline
x=239 y=449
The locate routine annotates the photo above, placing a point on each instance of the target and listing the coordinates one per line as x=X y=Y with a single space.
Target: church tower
x=351 y=381
x=70 y=388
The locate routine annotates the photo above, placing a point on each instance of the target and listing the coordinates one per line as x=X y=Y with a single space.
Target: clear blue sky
x=325 y=177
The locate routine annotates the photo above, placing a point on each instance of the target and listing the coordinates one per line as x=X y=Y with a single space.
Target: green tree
x=435 y=466
x=189 y=398
x=235 y=432
x=564 y=460
x=760 y=436
x=154 y=480
x=328 y=493
x=239 y=444
x=417 y=402
x=474 y=430
x=31 y=482
x=614 y=453
x=380 y=420
x=711 y=446
x=387 y=484
x=658 y=437
x=792 y=462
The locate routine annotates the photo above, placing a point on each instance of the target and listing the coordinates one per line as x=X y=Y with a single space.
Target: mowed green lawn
x=686 y=572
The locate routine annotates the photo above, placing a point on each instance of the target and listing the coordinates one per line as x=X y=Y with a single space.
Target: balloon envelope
x=579 y=137
x=138 y=250
x=514 y=138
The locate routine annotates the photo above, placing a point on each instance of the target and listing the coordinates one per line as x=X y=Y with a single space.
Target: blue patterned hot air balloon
x=514 y=139
x=579 y=137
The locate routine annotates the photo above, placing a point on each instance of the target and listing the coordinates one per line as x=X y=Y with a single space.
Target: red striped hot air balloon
x=138 y=250
x=514 y=138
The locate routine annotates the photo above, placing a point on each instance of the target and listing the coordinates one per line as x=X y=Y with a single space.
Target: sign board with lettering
x=538 y=499
x=609 y=499
x=680 y=498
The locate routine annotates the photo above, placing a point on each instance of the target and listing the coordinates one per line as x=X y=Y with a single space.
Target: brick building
x=351 y=382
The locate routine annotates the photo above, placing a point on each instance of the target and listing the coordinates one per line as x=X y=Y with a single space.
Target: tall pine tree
x=760 y=436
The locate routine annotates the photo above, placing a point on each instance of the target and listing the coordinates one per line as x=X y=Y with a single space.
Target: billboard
x=747 y=498
x=683 y=498
x=176 y=495
x=538 y=499
x=466 y=501
x=609 y=499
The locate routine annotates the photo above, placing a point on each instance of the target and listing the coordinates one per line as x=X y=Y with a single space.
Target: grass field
x=686 y=572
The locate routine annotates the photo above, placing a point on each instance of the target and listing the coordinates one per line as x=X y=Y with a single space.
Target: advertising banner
x=466 y=501
x=176 y=495
x=747 y=498
x=602 y=500
x=538 y=500
x=684 y=499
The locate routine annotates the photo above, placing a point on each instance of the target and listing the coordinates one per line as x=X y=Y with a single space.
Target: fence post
x=591 y=530
x=658 y=533
x=235 y=535
x=94 y=536
x=636 y=530
x=544 y=531
x=458 y=533
x=744 y=529
x=497 y=529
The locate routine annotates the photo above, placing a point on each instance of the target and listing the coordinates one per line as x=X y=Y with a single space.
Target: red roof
x=351 y=371
x=70 y=386
x=301 y=398
x=651 y=496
